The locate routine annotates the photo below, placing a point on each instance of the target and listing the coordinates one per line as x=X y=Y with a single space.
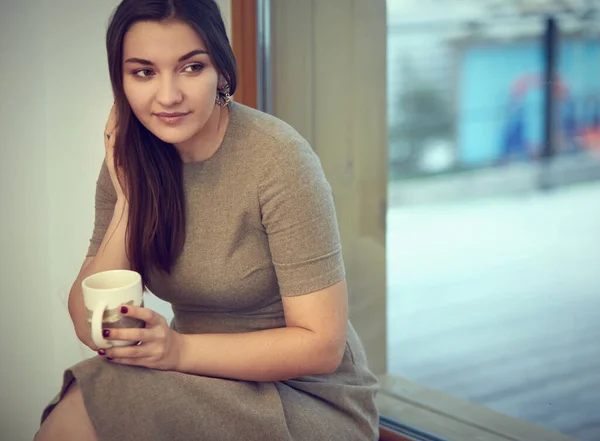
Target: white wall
x=225 y=6
x=55 y=97
x=25 y=307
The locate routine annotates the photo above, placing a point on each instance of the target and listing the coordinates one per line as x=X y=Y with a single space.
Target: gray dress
x=260 y=225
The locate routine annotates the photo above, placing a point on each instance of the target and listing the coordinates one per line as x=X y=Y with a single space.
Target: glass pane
x=493 y=241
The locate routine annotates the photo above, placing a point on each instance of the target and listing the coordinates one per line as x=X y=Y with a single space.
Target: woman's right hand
x=110 y=134
x=87 y=340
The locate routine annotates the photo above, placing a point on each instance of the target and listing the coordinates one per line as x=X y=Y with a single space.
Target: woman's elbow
x=331 y=357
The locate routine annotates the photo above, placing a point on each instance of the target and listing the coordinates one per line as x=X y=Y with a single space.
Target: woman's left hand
x=159 y=348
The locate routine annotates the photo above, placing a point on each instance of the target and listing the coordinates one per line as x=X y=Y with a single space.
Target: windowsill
x=452 y=418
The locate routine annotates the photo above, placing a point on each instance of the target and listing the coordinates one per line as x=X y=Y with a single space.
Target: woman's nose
x=168 y=93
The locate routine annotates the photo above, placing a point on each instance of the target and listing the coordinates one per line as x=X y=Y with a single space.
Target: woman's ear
x=222 y=84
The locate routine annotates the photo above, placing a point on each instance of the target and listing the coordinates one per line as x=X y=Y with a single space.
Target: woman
x=226 y=214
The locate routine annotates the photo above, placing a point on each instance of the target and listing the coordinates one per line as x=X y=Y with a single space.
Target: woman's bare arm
x=111 y=255
x=312 y=343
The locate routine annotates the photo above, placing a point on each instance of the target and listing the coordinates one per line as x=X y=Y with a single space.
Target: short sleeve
x=104 y=206
x=298 y=215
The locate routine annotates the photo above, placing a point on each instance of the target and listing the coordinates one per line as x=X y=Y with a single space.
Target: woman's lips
x=171 y=118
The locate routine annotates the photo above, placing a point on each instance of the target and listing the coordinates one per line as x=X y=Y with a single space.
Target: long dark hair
x=151 y=168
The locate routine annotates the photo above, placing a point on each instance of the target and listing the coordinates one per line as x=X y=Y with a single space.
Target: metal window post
x=550 y=87
x=263 y=56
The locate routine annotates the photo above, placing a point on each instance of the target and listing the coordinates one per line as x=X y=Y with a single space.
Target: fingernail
x=124 y=309
x=101 y=352
x=108 y=358
x=105 y=333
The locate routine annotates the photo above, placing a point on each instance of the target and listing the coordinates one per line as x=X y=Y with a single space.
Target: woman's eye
x=143 y=73
x=194 y=68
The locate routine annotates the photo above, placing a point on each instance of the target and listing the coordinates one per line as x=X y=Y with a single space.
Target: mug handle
x=96 y=326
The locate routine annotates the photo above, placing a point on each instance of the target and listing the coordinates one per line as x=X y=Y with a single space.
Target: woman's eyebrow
x=183 y=58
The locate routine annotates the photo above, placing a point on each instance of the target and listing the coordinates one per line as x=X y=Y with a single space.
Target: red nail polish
x=101 y=352
x=105 y=333
x=108 y=358
x=124 y=309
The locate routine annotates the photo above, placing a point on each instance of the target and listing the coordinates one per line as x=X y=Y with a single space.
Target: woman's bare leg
x=69 y=420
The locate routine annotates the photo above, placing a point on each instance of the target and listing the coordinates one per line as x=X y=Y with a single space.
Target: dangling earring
x=223 y=96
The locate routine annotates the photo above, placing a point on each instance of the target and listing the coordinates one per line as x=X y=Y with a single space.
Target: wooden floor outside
x=497 y=301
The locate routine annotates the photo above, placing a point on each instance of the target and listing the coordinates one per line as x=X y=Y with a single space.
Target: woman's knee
x=73 y=395
x=68 y=420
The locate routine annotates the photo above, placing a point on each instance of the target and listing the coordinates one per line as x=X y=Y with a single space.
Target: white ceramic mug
x=103 y=294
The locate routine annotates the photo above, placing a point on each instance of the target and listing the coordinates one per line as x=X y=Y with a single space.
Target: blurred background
x=493 y=239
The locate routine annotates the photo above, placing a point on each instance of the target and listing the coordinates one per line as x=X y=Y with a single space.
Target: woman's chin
x=172 y=138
